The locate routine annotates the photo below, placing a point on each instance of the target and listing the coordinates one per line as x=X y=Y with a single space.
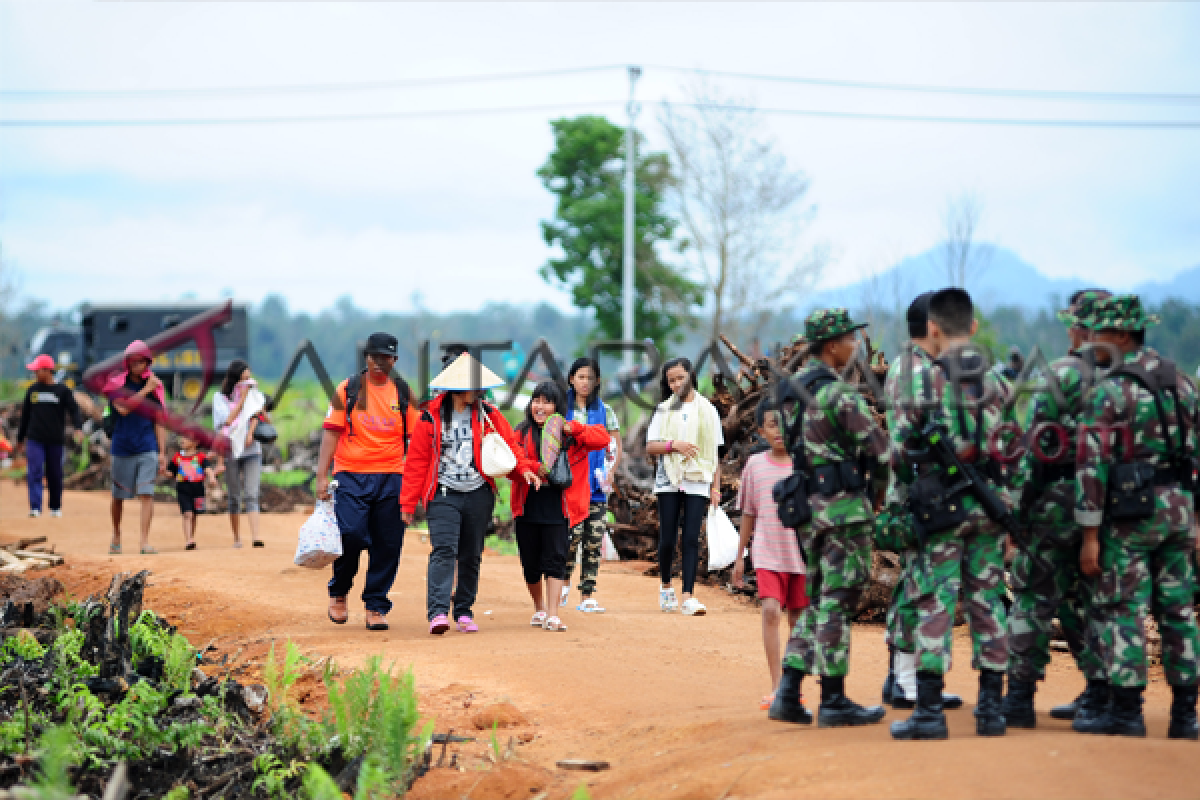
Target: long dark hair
x=547 y=390
x=593 y=400
x=686 y=363
x=232 y=376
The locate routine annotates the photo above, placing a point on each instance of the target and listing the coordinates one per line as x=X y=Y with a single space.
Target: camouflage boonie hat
x=1081 y=309
x=829 y=323
x=1121 y=313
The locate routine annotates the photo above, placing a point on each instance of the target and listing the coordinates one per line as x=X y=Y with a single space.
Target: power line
x=395 y=115
x=415 y=83
x=1028 y=94
x=294 y=120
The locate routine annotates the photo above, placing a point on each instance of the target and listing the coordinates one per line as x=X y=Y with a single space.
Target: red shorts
x=786 y=587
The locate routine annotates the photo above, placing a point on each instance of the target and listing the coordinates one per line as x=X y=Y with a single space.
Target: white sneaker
x=590 y=606
x=666 y=600
x=56 y=512
x=33 y=512
x=693 y=608
x=566 y=593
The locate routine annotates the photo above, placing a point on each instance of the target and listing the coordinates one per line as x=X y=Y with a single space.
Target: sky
x=442 y=212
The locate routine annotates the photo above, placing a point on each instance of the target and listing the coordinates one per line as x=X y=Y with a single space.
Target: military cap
x=1122 y=313
x=829 y=323
x=1082 y=307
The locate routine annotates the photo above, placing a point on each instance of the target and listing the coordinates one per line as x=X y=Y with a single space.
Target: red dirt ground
x=671 y=702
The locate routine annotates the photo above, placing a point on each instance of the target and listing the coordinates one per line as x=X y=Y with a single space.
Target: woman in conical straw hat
x=445 y=473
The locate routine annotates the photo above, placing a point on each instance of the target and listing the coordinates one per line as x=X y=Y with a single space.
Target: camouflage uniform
x=1054 y=536
x=970 y=556
x=588 y=535
x=837 y=427
x=1146 y=565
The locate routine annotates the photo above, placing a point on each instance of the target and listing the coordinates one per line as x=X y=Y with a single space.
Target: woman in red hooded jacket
x=546 y=514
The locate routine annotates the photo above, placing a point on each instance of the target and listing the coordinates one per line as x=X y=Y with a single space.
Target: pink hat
x=41 y=362
x=138 y=349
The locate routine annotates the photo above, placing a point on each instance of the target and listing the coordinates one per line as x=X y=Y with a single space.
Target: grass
x=288 y=478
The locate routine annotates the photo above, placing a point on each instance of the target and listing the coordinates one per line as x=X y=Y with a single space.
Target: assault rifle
x=963 y=478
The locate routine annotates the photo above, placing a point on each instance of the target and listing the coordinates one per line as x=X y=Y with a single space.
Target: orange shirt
x=375 y=442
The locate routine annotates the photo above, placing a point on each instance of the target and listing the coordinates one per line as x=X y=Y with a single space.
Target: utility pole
x=629 y=265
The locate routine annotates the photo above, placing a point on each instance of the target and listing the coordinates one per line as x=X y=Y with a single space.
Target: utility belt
x=791 y=494
x=938 y=505
x=1131 y=487
x=828 y=480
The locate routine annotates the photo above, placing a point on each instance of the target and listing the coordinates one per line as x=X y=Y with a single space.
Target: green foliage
x=150 y=637
x=273 y=776
x=586 y=172
x=178 y=793
x=505 y=547
x=23 y=645
x=581 y=793
x=318 y=785
x=57 y=755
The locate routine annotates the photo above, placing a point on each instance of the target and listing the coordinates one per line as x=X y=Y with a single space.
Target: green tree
x=586 y=172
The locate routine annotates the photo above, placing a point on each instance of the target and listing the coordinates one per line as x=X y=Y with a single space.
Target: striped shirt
x=773 y=547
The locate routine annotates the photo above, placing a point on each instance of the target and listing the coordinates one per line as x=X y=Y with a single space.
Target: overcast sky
x=448 y=207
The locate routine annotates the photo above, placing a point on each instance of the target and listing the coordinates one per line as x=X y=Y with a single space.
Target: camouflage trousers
x=901 y=621
x=969 y=558
x=589 y=535
x=839 y=566
x=1037 y=602
x=1146 y=572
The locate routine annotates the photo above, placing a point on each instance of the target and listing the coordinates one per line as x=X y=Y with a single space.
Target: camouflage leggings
x=1143 y=573
x=1035 y=606
x=590 y=535
x=968 y=558
x=839 y=565
x=902 y=611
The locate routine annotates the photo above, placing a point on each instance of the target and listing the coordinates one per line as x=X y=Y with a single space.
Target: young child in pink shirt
x=778 y=562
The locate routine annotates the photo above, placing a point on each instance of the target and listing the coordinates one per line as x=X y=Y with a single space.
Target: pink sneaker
x=467 y=625
x=439 y=624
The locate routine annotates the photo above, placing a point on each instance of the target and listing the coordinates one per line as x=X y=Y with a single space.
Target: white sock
x=905 y=669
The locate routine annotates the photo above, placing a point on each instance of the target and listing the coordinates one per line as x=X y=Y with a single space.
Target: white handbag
x=498 y=458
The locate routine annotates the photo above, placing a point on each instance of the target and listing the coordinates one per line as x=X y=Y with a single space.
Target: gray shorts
x=134 y=475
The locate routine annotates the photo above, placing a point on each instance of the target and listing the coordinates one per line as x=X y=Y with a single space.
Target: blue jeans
x=44 y=461
x=367 y=507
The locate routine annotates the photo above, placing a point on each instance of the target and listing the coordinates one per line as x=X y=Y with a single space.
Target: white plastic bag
x=498 y=457
x=320 y=541
x=722 y=540
x=608 y=551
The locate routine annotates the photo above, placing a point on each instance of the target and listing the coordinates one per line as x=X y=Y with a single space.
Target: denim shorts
x=134 y=475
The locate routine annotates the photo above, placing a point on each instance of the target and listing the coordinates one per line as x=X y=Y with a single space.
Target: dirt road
x=670 y=701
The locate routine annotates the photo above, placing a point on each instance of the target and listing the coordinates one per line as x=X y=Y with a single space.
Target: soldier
x=961 y=404
x=1136 y=510
x=1047 y=471
x=846 y=452
x=900 y=688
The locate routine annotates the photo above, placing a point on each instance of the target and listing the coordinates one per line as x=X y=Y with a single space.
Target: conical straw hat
x=457 y=376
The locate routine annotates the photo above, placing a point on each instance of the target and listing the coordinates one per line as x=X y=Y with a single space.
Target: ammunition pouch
x=843 y=476
x=934 y=506
x=1131 y=490
x=791 y=497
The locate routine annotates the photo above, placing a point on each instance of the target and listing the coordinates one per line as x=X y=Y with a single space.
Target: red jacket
x=425 y=451
x=577 y=499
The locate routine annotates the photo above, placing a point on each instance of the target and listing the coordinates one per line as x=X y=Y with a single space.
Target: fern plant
x=57 y=756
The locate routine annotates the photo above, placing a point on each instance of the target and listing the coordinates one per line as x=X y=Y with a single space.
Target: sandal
x=539 y=619
x=114 y=549
x=381 y=625
x=467 y=625
x=190 y=546
x=340 y=604
x=259 y=543
x=149 y=551
x=765 y=703
x=439 y=624
x=237 y=545
x=554 y=624
x=590 y=606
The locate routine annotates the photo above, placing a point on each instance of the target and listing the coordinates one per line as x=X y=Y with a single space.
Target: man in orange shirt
x=367 y=444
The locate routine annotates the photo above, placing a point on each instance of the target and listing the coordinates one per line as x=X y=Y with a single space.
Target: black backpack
x=791 y=493
x=354 y=390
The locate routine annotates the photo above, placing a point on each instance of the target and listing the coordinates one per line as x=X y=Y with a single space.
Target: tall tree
x=586 y=172
x=743 y=210
x=960 y=254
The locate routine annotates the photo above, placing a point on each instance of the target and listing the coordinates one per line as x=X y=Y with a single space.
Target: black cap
x=381 y=344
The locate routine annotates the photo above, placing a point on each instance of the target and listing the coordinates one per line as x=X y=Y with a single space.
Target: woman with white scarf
x=684 y=435
x=236 y=410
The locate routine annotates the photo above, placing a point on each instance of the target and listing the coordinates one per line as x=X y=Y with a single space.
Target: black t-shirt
x=544 y=506
x=44 y=413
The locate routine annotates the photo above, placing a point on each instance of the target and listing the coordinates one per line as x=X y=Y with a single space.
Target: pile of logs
x=26 y=554
x=635 y=533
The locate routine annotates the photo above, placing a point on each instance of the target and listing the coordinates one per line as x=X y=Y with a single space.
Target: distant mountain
x=1007 y=281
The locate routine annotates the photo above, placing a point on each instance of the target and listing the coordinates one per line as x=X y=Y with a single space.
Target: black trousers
x=458 y=523
x=693 y=508
x=543 y=547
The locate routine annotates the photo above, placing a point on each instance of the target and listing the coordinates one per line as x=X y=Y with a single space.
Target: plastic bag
x=723 y=540
x=608 y=552
x=320 y=541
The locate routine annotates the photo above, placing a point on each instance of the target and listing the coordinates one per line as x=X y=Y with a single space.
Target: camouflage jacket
x=838 y=426
x=1051 y=425
x=898 y=392
x=1120 y=424
x=972 y=414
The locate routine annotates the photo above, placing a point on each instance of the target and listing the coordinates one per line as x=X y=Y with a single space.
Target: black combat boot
x=1018 y=704
x=889 y=685
x=1183 y=714
x=928 y=721
x=1093 y=704
x=1067 y=710
x=787 y=706
x=989 y=719
x=1123 y=716
x=839 y=711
